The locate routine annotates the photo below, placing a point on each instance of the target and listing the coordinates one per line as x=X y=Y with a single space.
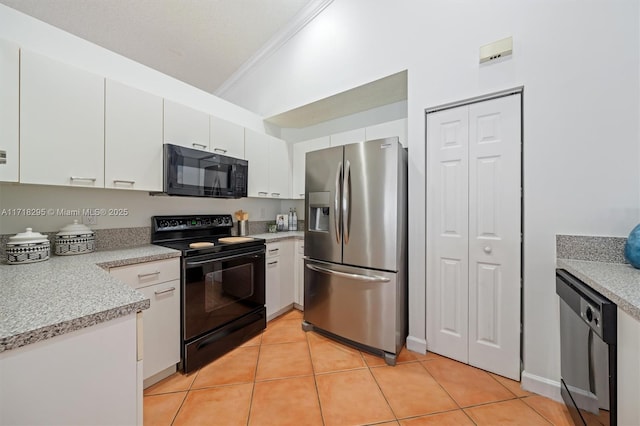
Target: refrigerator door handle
x=346 y=201
x=348 y=275
x=336 y=205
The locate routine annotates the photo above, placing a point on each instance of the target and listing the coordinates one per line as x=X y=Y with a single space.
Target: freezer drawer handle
x=347 y=275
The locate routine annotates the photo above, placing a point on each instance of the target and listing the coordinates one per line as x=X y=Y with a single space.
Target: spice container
x=27 y=247
x=73 y=239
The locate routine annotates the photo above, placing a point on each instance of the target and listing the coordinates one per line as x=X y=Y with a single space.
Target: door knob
x=487 y=249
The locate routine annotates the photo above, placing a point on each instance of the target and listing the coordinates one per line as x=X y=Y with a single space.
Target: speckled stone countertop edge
x=618 y=282
x=271 y=237
x=101 y=260
x=44 y=333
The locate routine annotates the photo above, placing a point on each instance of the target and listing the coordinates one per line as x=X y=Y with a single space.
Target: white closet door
x=494 y=235
x=447 y=228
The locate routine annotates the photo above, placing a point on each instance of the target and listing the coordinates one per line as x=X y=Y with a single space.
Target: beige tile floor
x=288 y=377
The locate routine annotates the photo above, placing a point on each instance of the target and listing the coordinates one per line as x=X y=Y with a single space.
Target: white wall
x=578 y=63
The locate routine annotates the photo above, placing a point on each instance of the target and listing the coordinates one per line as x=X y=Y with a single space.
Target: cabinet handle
x=220 y=150
x=130 y=182
x=273 y=250
x=302 y=195
x=275 y=194
x=195 y=145
x=169 y=290
x=273 y=263
x=148 y=274
x=92 y=179
x=262 y=194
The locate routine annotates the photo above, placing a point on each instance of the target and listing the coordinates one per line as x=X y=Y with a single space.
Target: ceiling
x=204 y=43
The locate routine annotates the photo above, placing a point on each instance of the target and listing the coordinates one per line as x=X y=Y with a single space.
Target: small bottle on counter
x=290 y=219
x=294 y=221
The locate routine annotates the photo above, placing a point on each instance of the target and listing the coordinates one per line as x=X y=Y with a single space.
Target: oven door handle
x=220 y=259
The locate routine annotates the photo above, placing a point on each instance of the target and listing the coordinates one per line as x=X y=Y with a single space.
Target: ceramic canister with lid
x=75 y=238
x=27 y=247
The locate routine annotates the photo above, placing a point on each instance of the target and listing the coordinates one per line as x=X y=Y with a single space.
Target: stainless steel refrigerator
x=355 y=274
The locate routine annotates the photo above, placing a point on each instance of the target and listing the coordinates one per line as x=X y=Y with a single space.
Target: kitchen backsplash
x=591 y=248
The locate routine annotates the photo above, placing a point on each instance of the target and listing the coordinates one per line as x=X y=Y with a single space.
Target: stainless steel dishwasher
x=588 y=341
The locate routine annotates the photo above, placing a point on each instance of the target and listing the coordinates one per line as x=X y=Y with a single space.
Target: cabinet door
x=185 y=126
x=161 y=327
x=226 y=138
x=9 y=109
x=390 y=128
x=299 y=273
x=300 y=150
x=272 y=286
x=61 y=123
x=350 y=136
x=133 y=138
x=257 y=153
x=279 y=168
x=287 y=274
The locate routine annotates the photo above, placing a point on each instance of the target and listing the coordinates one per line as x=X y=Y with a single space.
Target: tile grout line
x=380 y=388
x=313 y=371
x=255 y=376
x=175 y=416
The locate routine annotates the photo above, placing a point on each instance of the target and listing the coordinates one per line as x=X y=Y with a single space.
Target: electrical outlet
x=90 y=219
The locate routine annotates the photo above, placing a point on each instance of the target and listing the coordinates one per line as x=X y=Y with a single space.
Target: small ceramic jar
x=27 y=247
x=75 y=238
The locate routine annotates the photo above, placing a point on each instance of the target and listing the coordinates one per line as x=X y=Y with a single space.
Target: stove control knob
x=174 y=223
x=164 y=224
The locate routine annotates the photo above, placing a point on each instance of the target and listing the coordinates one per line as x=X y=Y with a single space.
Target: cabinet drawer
x=273 y=249
x=148 y=273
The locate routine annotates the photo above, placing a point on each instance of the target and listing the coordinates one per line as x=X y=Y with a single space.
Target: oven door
x=218 y=291
x=192 y=172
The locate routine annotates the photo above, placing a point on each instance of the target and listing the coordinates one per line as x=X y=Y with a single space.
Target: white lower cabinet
x=628 y=369
x=299 y=274
x=85 y=377
x=160 y=282
x=279 y=278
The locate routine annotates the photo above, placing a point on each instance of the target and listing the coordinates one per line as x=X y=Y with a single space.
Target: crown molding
x=306 y=15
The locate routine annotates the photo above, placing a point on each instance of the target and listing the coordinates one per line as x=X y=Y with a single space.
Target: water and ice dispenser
x=319 y=208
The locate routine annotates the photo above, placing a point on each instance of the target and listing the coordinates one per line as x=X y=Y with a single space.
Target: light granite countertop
x=271 y=237
x=66 y=293
x=620 y=282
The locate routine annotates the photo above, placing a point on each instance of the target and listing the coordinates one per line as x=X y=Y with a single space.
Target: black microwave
x=196 y=173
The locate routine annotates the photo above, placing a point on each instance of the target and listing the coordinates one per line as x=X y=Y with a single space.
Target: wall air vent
x=497 y=49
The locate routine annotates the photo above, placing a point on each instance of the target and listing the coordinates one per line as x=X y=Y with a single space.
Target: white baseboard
x=541 y=386
x=417 y=345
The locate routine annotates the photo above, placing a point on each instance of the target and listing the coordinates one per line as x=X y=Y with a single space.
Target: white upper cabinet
x=9 y=110
x=226 y=138
x=61 y=123
x=300 y=150
x=185 y=126
x=257 y=154
x=350 y=136
x=390 y=128
x=133 y=138
x=269 y=165
x=279 y=168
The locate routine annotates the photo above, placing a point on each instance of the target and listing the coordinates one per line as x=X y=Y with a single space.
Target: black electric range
x=222 y=284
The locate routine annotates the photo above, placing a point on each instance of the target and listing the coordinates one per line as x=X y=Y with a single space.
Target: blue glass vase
x=632 y=247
